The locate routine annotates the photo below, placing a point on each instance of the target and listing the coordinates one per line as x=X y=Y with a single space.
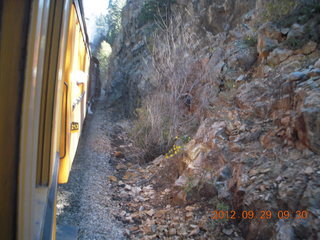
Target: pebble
x=151 y=212
x=113 y=178
x=308 y=171
x=227 y=231
x=194 y=232
x=190 y=208
x=172 y=231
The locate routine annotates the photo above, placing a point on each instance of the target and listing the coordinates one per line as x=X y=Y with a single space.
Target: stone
x=243 y=59
x=182 y=231
x=121 y=166
x=308 y=122
x=235 y=147
x=271 y=31
x=227 y=231
x=190 y=208
x=118 y=154
x=290 y=65
x=302 y=228
x=189 y=215
x=284 y=230
x=253 y=172
x=194 y=232
x=265 y=46
x=151 y=212
x=309 y=48
x=240 y=78
x=172 y=231
x=129 y=175
x=160 y=213
x=134 y=228
x=296 y=31
x=225 y=173
x=113 y=178
x=285 y=31
x=278 y=55
x=148 y=230
x=314 y=72
x=295 y=76
x=317 y=63
x=308 y=170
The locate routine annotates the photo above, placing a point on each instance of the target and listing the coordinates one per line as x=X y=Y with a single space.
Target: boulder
x=243 y=59
x=296 y=31
x=271 y=31
x=308 y=122
x=307 y=49
x=265 y=45
x=278 y=55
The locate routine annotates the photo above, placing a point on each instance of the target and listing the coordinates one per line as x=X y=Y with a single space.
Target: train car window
x=64 y=113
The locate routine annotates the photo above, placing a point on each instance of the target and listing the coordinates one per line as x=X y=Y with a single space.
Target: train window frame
x=45 y=157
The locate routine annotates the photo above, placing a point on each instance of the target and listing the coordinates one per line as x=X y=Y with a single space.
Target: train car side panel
x=13 y=41
x=76 y=82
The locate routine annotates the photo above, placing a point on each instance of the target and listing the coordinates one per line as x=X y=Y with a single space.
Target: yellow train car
x=44 y=79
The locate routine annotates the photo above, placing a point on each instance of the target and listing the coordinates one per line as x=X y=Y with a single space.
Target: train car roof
x=80 y=12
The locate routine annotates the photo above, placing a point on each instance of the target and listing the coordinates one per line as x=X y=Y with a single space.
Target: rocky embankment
x=257 y=147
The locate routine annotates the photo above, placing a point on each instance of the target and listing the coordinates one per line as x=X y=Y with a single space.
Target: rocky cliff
x=257 y=143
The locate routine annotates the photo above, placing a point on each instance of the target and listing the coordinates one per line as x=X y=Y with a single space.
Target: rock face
x=257 y=148
x=126 y=84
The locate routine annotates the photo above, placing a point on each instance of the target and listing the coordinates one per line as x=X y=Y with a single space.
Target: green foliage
x=189 y=185
x=250 y=41
x=276 y=9
x=185 y=139
x=295 y=43
x=109 y=25
x=221 y=206
x=218 y=206
x=173 y=151
x=153 y=10
x=103 y=55
x=230 y=84
x=114 y=21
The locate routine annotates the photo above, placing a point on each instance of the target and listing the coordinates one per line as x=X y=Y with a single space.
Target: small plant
x=276 y=9
x=250 y=41
x=176 y=148
x=173 y=151
x=219 y=206
x=185 y=139
x=153 y=10
x=230 y=84
x=189 y=185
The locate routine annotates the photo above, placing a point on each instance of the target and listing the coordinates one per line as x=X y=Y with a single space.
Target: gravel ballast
x=85 y=201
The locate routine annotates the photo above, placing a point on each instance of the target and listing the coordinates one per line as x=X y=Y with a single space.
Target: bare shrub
x=175 y=73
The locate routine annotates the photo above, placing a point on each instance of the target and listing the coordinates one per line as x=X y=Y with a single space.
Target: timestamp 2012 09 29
x=261 y=214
